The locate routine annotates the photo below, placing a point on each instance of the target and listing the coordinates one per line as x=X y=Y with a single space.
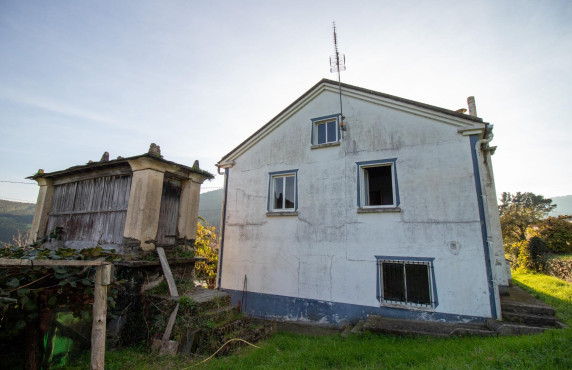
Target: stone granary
x=128 y=204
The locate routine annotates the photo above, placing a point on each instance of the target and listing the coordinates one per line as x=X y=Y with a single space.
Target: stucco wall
x=327 y=252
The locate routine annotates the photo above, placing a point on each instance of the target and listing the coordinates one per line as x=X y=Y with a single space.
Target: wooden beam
x=27 y=262
x=167 y=272
x=102 y=279
x=170 y=324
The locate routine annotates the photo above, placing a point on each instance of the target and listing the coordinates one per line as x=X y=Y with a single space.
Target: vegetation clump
x=206 y=245
x=533 y=241
x=29 y=296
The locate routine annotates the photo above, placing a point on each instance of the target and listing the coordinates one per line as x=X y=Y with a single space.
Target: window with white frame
x=325 y=130
x=406 y=282
x=283 y=192
x=377 y=184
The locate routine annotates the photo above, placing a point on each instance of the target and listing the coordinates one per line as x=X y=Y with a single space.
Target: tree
x=206 y=245
x=519 y=211
x=557 y=233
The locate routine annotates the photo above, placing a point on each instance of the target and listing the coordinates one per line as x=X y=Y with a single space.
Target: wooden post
x=167 y=272
x=102 y=280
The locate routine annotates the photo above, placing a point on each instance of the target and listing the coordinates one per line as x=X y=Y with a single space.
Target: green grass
x=551 y=349
x=556 y=292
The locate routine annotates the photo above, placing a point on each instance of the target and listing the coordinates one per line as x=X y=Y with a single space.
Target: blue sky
x=78 y=78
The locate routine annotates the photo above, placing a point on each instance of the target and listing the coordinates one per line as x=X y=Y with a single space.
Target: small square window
x=283 y=191
x=406 y=282
x=325 y=130
x=377 y=184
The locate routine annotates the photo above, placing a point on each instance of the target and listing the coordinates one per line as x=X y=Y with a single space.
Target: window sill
x=283 y=213
x=326 y=145
x=378 y=209
x=406 y=306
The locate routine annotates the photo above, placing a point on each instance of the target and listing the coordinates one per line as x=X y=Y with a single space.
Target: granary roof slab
x=463 y=121
x=127 y=165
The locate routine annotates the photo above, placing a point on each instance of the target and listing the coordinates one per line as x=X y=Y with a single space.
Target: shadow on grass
x=553 y=291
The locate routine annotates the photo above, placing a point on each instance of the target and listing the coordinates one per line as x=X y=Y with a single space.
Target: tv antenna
x=338 y=64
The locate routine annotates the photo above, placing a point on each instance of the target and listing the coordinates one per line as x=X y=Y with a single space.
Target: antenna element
x=338 y=64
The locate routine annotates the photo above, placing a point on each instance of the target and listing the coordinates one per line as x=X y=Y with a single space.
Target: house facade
x=391 y=211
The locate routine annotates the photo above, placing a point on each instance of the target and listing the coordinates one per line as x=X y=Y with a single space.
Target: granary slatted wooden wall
x=91 y=210
x=169 y=212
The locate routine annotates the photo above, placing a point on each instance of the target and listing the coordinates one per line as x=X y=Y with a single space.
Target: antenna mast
x=338 y=64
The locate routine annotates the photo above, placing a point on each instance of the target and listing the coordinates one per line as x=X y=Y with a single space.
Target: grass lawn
x=556 y=292
x=552 y=349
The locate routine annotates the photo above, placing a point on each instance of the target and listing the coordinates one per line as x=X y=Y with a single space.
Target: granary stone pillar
x=144 y=202
x=43 y=206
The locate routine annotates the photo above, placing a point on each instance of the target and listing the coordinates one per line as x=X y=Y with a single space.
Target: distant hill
x=563 y=205
x=210 y=207
x=14 y=217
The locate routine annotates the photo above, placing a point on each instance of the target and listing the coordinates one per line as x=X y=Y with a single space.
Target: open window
x=325 y=131
x=377 y=184
x=406 y=281
x=283 y=191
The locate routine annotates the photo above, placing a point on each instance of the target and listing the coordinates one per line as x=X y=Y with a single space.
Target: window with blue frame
x=406 y=280
x=283 y=191
x=377 y=184
x=325 y=130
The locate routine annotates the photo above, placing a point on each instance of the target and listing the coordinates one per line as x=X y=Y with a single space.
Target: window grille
x=409 y=282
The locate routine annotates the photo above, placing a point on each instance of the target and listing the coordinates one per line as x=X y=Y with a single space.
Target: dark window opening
x=379 y=186
x=406 y=282
x=393 y=282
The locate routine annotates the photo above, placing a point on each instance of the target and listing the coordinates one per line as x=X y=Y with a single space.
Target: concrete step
x=524 y=308
x=209 y=298
x=505 y=328
x=346 y=331
x=529 y=319
x=385 y=325
x=358 y=329
x=220 y=311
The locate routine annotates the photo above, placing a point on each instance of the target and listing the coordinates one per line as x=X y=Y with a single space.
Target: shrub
x=536 y=247
x=206 y=245
x=527 y=254
x=187 y=303
x=559 y=267
x=557 y=232
x=513 y=251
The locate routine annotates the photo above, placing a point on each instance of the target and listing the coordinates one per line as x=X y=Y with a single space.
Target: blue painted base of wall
x=270 y=306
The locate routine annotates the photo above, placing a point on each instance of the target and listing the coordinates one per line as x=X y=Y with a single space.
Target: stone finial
x=105 y=157
x=196 y=165
x=155 y=150
x=40 y=171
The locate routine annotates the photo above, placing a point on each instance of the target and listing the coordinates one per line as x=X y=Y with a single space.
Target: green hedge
x=560 y=267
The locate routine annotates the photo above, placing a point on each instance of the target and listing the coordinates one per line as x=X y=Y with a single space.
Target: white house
x=390 y=211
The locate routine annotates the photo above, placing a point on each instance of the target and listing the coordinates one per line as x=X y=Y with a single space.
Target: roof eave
x=114 y=163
